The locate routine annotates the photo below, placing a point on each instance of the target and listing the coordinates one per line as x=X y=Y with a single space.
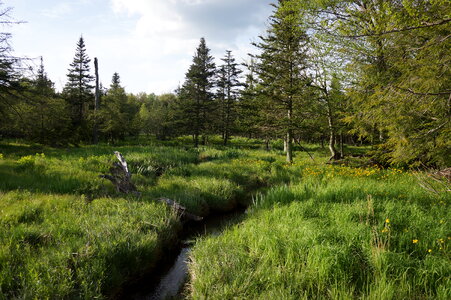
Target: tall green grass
x=335 y=233
x=312 y=230
x=66 y=233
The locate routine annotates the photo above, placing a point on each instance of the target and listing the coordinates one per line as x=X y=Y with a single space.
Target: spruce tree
x=228 y=92
x=115 y=81
x=114 y=113
x=248 y=110
x=281 y=65
x=79 y=88
x=197 y=95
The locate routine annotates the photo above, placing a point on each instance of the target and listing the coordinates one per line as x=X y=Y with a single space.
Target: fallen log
x=179 y=209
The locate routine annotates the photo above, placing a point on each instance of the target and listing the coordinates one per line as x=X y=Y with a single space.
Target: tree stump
x=121 y=178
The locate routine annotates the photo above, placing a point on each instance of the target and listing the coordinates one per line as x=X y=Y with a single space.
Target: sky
x=150 y=43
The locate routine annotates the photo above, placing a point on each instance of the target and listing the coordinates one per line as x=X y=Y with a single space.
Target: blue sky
x=150 y=43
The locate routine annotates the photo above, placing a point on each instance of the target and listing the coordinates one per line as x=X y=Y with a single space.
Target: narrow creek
x=170 y=277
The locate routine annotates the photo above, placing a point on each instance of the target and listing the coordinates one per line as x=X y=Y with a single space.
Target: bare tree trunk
x=342 y=152
x=196 y=140
x=97 y=102
x=332 y=138
x=289 y=137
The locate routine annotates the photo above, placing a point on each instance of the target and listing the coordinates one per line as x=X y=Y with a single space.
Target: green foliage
x=116 y=114
x=397 y=56
x=158 y=116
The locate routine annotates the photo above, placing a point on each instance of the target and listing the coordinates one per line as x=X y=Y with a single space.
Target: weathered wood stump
x=121 y=178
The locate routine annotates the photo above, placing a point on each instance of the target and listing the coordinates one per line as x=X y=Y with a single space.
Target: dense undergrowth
x=313 y=231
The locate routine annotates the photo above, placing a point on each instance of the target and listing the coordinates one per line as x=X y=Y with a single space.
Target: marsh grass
x=334 y=232
x=312 y=230
x=66 y=233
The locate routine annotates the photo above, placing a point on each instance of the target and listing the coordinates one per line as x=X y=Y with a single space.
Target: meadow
x=333 y=232
x=311 y=230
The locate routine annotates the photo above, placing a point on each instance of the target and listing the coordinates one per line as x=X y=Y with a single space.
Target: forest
x=332 y=141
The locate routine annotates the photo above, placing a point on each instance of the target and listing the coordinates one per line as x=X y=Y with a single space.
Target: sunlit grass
x=313 y=230
x=335 y=232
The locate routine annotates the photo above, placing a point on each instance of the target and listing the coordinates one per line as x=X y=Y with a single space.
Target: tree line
x=345 y=72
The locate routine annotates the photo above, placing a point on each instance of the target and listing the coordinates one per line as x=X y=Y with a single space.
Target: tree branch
x=425 y=25
x=422 y=94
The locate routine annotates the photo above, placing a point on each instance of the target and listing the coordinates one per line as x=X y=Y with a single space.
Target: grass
x=312 y=230
x=66 y=233
x=334 y=232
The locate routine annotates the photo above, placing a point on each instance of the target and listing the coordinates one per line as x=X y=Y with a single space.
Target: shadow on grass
x=36 y=180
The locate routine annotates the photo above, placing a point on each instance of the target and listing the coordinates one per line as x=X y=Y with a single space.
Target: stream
x=170 y=277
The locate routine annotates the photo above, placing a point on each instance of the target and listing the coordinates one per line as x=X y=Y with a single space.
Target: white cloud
x=58 y=11
x=168 y=31
x=150 y=43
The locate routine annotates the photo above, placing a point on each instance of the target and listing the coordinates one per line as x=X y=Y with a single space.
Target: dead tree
x=96 y=102
x=121 y=178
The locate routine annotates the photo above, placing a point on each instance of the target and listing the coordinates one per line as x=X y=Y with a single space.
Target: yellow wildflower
x=387 y=220
x=430 y=250
x=415 y=241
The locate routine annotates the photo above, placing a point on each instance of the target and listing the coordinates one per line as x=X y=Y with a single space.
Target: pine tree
x=281 y=66
x=228 y=92
x=79 y=89
x=196 y=94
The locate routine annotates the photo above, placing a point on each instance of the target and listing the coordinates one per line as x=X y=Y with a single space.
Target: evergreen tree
x=79 y=89
x=228 y=92
x=115 y=81
x=281 y=66
x=114 y=117
x=9 y=74
x=196 y=94
x=44 y=116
